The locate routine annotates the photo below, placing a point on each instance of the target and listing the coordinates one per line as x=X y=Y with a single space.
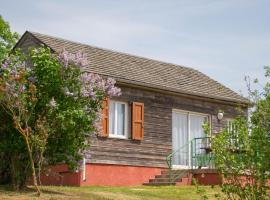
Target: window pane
x=196 y=131
x=112 y=118
x=120 y=118
x=196 y=122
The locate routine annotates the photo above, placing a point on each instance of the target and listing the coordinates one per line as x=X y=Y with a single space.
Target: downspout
x=84 y=170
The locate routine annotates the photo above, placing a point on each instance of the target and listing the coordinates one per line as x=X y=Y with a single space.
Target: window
x=232 y=129
x=118 y=117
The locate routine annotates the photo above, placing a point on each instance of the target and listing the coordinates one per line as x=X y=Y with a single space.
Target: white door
x=185 y=127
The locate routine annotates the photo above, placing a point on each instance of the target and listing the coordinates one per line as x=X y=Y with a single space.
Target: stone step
x=167 y=175
x=160 y=184
x=164 y=180
x=173 y=177
x=174 y=171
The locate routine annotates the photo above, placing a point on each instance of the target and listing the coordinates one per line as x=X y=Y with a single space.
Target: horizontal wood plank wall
x=157 y=142
x=28 y=42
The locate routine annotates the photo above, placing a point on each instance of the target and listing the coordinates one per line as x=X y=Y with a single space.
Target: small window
x=232 y=129
x=118 y=117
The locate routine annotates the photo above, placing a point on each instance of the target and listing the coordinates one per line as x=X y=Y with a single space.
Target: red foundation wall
x=100 y=175
x=60 y=175
x=208 y=178
x=118 y=175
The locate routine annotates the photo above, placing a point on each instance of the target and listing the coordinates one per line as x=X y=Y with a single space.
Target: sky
x=225 y=39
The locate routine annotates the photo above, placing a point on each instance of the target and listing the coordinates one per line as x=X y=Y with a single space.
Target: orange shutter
x=137 y=121
x=105 y=118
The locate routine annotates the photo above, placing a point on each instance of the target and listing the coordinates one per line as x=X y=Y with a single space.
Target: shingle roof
x=143 y=71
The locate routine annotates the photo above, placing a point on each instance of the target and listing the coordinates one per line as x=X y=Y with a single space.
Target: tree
x=10 y=148
x=7 y=39
x=52 y=104
x=242 y=152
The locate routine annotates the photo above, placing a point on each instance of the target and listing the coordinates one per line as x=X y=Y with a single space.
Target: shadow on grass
x=28 y=190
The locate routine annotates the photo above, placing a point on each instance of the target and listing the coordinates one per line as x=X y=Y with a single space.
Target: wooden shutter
x=105 y=118
x=137 y=121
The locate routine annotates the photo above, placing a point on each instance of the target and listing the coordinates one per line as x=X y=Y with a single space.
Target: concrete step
x=175 y=171
x=173 y=177
x=164 y=180
x=160 y=184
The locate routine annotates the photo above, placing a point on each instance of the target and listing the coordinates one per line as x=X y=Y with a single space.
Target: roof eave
x=121 y=81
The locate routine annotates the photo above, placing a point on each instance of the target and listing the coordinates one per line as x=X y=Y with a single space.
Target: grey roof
x=145 y=72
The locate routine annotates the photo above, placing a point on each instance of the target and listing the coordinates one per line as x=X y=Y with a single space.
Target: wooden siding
x=157 y=142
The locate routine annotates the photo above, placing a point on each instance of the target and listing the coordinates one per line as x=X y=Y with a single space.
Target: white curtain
x=111 y=117
x=120 y=112
x=117 y=119
x=196 y=131
x=180 y=138
x=196 y=122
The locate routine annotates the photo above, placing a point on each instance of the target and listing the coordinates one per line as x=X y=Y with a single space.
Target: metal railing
x=201 y=153
x=197 y=151
x=181 y=150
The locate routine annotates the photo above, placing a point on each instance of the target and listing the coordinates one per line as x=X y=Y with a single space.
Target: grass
x=109 y=193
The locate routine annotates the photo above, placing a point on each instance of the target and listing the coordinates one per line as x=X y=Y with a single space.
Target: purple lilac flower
x=92 y=82
x=92 y=95
x=79 y=59
x=32 y=79
x=5 y=65
x=114 y=91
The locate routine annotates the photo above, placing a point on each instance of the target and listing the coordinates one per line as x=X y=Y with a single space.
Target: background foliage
x=242 y=152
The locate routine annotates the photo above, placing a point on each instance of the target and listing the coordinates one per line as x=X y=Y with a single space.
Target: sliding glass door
x=185 y=127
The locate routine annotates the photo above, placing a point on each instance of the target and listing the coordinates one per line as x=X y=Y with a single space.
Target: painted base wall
x=208 y=178
x=60 y=175
x=118 y=175
x=100 y=175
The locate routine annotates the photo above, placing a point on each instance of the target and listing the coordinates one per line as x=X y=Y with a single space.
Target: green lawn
x=110 y=193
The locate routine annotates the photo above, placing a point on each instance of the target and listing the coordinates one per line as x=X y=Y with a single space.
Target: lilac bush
x=54 y=104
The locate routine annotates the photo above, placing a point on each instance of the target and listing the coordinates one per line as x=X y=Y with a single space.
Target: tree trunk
x=34 y=177
x=14 y=182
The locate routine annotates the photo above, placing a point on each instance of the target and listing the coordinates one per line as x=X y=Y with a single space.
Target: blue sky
x=225 y=39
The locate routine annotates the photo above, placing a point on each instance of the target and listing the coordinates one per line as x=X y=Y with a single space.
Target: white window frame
x=114 y=135
x=230 y=129
x=197 y=114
